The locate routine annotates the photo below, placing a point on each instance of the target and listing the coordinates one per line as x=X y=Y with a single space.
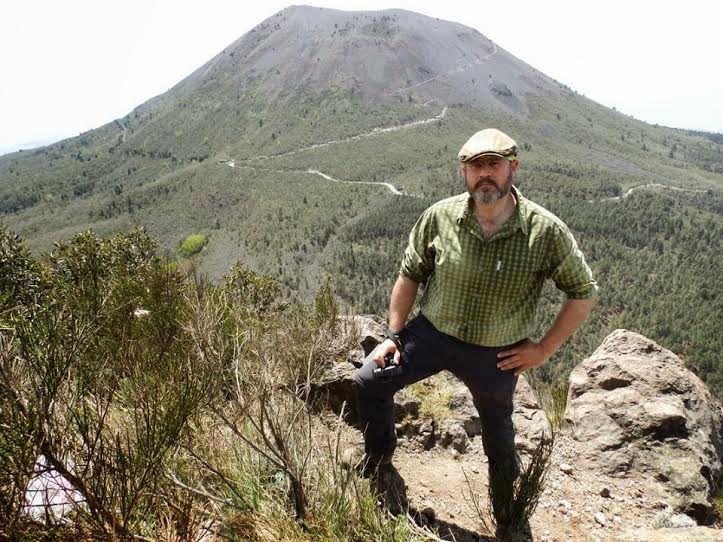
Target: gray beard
x=481 y=196
x=488 y=197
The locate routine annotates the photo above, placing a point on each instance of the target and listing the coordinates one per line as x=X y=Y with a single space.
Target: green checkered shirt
x=486 y=292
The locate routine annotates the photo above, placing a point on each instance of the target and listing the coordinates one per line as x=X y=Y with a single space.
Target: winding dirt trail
x=648 y=185
x=391 y=187
x=374 y=132
x=377 y=131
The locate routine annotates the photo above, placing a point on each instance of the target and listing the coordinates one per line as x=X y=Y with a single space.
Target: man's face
x=488 y=178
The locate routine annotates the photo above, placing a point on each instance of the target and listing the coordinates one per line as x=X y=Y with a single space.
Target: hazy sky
x=69 y=66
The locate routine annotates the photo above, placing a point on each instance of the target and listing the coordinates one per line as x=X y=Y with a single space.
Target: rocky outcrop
x=635 y=410
x=335 y=390
x=529 y=418
x=371 y=332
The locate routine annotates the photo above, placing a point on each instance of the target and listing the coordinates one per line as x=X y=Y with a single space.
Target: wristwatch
x=394 y=336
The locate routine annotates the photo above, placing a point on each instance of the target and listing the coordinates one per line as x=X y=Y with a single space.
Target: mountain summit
x=382 y=55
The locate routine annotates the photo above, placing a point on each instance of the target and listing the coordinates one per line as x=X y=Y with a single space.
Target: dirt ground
x=440 y=483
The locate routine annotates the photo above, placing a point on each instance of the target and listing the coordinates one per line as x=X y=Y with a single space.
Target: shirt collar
x=519 y=215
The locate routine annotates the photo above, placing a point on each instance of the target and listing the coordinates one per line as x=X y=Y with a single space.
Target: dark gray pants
x=427 y=351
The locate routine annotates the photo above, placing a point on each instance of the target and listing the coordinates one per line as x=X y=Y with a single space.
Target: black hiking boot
x=385 y=479
x=391 y=489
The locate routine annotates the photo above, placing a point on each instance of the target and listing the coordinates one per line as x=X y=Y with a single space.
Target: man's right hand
x=385 y=348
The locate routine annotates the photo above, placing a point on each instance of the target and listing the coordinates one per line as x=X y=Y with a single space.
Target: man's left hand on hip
x=524 y=356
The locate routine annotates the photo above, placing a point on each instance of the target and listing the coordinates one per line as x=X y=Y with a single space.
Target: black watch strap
x=394 y=336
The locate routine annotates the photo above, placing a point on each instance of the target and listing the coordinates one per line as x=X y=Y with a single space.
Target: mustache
x=482 y=182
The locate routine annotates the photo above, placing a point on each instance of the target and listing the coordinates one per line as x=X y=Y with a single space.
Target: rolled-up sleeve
x=418 y=259
x=569 y=270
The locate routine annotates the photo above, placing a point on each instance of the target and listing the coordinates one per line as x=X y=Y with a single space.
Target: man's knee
x=363 y=378
x=366 y=385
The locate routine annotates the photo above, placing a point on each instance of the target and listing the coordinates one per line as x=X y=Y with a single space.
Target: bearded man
x=482 y=257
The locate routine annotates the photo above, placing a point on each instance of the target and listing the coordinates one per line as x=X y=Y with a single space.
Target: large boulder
x=335 y=387
x=335 y=390
x=636 y=410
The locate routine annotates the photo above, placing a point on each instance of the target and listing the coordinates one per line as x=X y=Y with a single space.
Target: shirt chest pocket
x=514 y=269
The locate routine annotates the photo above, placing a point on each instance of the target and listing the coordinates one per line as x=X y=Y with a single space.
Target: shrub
x=191 y=245
x=173 y=406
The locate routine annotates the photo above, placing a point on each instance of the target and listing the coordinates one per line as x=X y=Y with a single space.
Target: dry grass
x=435 y=395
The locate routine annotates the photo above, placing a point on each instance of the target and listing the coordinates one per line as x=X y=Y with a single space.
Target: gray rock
x=406 y=407
x=634 y=408
x=370 y=329
x=426 y=440
x=335 y=389
x=427 y=434
x=669 y=519
x=356 y=357
x=453 y=434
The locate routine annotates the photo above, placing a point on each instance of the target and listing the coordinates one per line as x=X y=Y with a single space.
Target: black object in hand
x=390 y=370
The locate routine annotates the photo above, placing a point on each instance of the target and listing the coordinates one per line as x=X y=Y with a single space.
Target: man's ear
x=514 y=165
